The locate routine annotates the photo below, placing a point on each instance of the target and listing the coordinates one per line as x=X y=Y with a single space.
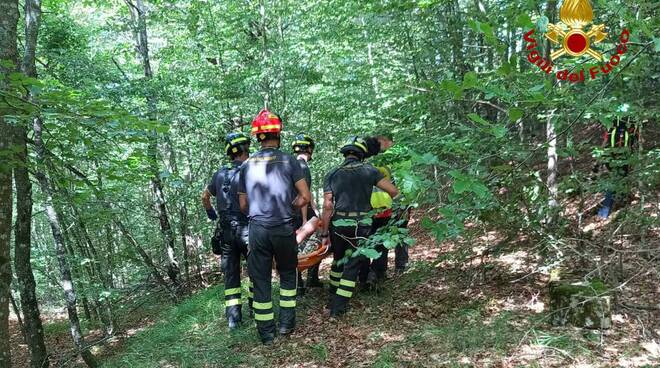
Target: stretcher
x=304 y=238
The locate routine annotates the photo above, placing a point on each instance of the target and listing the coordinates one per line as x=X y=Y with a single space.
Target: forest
x=525 y=151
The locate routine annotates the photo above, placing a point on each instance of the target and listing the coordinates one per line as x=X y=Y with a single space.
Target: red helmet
x=266 y=122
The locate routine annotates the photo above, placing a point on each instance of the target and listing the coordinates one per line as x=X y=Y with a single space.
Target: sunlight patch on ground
x=515 y=261
x=637 y=361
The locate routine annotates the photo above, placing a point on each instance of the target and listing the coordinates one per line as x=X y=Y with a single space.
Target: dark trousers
x=266 y=243
x=235 y=245
x=344 y=272
x=617 y=189
x=379 y=265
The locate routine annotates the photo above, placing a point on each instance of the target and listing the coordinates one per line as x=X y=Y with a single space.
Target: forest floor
x=447 y=310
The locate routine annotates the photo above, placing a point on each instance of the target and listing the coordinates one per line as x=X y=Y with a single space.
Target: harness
x=230 y=173
x=226 y=184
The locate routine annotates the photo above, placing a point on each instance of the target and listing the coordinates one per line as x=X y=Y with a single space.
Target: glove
x=210 y=213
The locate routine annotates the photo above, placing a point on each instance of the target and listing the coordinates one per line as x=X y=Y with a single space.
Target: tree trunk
x=138 y=16
x=22 y=253
x=23 y=242
x=8 y=24
x=105 y=311
x=183 y=210
x=17 y=312
x=183 y=214
x=551 y=135
x=60 y=247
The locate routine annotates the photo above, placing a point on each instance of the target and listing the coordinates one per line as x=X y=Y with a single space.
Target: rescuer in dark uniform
x=620 y=142
x=303 y=147
x=347 y=195
x=271 y=185
x=231 y=229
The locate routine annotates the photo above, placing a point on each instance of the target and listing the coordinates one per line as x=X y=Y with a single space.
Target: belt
x=233 y=220
x=351 y=214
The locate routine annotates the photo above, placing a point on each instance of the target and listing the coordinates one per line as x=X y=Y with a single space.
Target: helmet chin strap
x=307 y=156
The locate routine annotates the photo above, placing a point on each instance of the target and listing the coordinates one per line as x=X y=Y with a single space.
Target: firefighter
x=386 y=216
x=303 y=147
x=619 y=143
x=231 y=229
x=271 y=185
x=347 y=191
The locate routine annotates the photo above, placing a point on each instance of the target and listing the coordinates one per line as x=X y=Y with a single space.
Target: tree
x=139 y=21
x=60 y=246
x=23 y=243
x=8 y=63
x=54 y=218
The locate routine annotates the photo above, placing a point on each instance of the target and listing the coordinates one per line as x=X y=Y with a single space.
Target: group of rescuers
x=264 y=210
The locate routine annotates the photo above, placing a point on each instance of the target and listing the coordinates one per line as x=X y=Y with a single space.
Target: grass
x=469 y=331
x=385 y=359
x=191 y=334
x=194 y=333
x=56 y=328
x=61 y=327
x=560 y=342
x=319 y=352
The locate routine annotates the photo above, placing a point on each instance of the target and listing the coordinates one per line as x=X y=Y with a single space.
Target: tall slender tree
x=139 y=20
x=8 y=62
x=551 y=134
x=58 y=237
x=60 y=245
x=23 y=243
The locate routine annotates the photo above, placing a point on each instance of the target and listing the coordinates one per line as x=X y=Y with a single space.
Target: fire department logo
x=576 y=14
x=570 y=38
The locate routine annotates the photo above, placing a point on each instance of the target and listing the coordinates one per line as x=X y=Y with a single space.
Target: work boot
x=372 y=280
x=267 y=331
x=606 y=205
x=285 y=330
x=234 y=324
x=267 y=339
x=314 y=283
x=339 y=306
x=331 y=297
x=234 y=316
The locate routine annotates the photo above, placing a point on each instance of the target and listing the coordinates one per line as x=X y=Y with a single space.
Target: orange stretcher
x=308 y=260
